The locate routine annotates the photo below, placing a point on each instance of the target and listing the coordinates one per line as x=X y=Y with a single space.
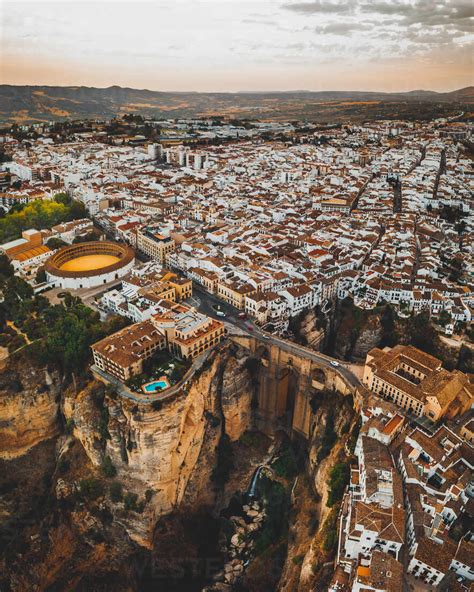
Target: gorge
x=106 y=494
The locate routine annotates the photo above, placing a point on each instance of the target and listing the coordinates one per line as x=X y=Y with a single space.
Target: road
x=206 y=302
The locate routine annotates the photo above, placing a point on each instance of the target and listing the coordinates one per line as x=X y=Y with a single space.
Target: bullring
x=90 y=264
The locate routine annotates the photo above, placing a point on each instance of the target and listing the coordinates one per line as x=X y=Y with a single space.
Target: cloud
x=423 y=11
x=319 y=7
x=426 y=12
x=345 y=28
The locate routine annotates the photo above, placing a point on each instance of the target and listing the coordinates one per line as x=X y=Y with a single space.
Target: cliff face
x=354 y=332
x=163 y=458
x=159 y=449
x=29 y=400
x=334 y=419
x=310 y=331
x=236 y=395
x=162 y=455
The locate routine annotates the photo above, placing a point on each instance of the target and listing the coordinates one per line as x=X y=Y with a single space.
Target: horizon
x=210 y=46
x=256 y=91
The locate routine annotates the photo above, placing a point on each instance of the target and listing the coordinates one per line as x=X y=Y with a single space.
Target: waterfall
x=252 y=490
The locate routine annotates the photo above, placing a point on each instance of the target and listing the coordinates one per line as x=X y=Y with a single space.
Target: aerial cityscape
x=236 y=318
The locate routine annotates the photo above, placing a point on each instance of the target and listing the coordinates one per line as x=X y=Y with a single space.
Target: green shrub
x=276 y=520
x=286 y=465
x=116 y=492
x=338 y=479
x=329 y=437
x=250 y=439
x=91 y=488
x=329 y=531
x=104 y=424
x=69 y=428
x=108 y=467
x=130 y=502
x=330 y=541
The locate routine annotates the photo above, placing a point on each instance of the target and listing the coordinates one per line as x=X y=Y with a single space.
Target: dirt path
x=12 y=325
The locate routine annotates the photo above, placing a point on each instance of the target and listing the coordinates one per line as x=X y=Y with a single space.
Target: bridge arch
x=286 y=380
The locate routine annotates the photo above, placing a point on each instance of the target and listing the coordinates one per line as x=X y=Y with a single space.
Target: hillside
x=26 y=104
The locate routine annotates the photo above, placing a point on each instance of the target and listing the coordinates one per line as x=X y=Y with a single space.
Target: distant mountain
x=25 y=104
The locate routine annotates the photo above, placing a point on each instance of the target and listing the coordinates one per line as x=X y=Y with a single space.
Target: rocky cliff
x=103 y=487
x=29 y=400
x=158 y=448
x=333 y=422
x=354 y=332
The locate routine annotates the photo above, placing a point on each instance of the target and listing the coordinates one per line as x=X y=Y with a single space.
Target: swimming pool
x=157 y=385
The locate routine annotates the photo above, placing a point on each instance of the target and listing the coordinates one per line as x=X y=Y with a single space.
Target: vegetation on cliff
x=60 y=335
x=338 y=480
x=355 y=331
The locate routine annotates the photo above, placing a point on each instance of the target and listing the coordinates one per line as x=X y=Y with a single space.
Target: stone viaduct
x=288 y=377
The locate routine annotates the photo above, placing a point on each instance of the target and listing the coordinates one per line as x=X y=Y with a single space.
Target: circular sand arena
x=90 y=264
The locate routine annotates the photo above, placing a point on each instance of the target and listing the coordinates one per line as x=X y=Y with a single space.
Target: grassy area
x=277 y=502
x=338 y=479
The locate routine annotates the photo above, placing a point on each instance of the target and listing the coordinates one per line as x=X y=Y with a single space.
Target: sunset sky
x=229 y=45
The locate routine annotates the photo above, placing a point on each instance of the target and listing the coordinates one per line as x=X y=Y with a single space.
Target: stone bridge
x=289 y=375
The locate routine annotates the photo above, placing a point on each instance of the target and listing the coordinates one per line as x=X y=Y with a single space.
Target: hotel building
x=183 y=331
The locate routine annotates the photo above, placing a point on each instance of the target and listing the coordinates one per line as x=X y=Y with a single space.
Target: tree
x=116 y=492
x=40 y=276
x=55 y=243
x=6 y=269
x=62 y=198
x=38 y=214
x=338 y=479
x=108 y=467
x=387 y=321
x=465 y=360
x=91 y=488
x=422 y=334
x=444 y=318
x=457 y=268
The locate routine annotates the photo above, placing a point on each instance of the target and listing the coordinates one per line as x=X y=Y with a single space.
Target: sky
x=232 y=45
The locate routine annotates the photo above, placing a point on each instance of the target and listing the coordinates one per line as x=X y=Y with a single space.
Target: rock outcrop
x=354 y=331
x=156 y=448
x=333 y=421
x=29 y=402
x=311 y=330
x=236 y=395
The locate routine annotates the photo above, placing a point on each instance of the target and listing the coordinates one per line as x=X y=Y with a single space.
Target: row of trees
x=39 y=214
